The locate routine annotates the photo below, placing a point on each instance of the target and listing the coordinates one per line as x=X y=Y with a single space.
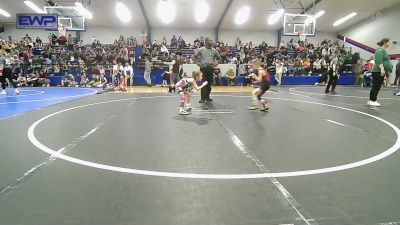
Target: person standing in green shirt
x=382 y=68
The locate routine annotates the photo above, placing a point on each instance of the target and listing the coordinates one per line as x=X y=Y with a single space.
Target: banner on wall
x=37 y=21
x=189 y=68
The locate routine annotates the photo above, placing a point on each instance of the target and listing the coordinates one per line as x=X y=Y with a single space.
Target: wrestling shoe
x=253 y=107
x=184 y=112
x=265 y=107
x=372 y=103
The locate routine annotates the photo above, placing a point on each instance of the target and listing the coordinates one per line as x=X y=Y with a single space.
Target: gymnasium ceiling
x=104 y=13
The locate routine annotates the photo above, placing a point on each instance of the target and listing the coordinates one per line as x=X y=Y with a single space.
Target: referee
x=206 y=58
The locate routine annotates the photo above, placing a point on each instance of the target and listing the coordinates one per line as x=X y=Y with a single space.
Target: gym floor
x=129 y=158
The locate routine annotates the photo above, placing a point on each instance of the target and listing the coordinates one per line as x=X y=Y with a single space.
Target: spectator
x=22 y=81
x=263 y=48
x=85 y=82
x=317 y=65
x=116 y=72
x=282 y=44
x=96 y=72
x=174 y=42
x=98 y=81
x=164 y=50
x=358 y=70
x=165 y=78
x=147 y=72
x=202 y=41
x=307 y=66
x=43 y=79
x=217 y=76
x=69 y=81
x=32 y=79
x=181 y=42
x=278 y=71
x=128 y=74
x=291 y=69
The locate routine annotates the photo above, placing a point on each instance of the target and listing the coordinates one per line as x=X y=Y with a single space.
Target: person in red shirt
x=263 y=80
x=368 y=66
x=96 y=71
x=122 y=84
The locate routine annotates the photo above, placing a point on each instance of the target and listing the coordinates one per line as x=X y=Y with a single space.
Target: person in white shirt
x=317 y=66
x=278 y=71
x=116 y=73
x=93 y=40
x=147 y=72
x=102 y=70
x=128 y=71
x=282 y=44
x=324 y=52
x=164 y=49
x=190 y=60
x=296 y=45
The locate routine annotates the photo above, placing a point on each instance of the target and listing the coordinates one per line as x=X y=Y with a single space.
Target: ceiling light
x=4 y=13
x=319 y=14
x=344 y=19
x=34 y=7
x=312 y=18
x=272 y=19
x=83 y=11
x=242 y=15
x=123 y=12
x=201 y=11
x=166 y=11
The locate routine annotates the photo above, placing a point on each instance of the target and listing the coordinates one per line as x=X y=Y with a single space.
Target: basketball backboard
x=68 y=16
x=295 y=24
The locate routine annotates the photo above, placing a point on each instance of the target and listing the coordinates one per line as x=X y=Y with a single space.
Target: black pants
x=207 y=76
x=332 y=81
x=324 y=77
x=377 y=81
x=7 y=73
x=397 y=77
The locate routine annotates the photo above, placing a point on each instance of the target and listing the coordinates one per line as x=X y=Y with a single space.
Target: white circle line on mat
x=375 y=158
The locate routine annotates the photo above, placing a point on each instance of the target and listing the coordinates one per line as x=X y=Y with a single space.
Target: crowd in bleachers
x=293 y=58
x=35 y=60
